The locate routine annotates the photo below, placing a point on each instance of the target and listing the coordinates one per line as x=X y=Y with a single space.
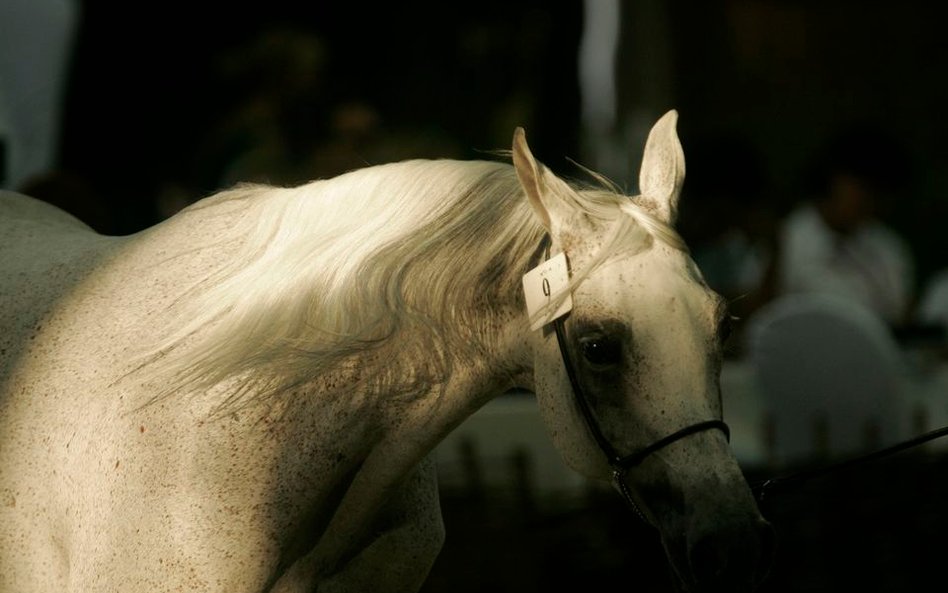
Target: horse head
x=628 y=384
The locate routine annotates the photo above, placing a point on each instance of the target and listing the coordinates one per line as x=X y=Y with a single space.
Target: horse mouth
x=730 y=560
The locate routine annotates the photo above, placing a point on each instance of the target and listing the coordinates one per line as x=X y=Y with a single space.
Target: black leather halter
x=619 y=463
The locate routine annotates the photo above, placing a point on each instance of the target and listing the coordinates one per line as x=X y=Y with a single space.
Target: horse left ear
x=539 y=183
x=663 y=168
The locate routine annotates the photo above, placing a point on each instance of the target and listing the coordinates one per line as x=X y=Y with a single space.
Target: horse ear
x=663 y=168
x=535 y=179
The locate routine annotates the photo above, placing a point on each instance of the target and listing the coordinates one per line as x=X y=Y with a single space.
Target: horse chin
x=732 y=557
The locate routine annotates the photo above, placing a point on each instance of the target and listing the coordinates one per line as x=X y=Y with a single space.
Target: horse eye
x=601 y=351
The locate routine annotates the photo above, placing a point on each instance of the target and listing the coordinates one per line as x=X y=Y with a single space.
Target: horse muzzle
x=732 y=560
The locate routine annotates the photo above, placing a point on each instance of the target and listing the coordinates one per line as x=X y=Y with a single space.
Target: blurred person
x=837 y=242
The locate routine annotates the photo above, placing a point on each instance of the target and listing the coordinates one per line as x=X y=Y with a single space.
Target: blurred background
x=814 y=141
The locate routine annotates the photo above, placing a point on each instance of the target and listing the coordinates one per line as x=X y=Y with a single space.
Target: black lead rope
x=764 y=490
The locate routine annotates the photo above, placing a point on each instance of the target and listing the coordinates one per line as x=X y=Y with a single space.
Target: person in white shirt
x=837 y=243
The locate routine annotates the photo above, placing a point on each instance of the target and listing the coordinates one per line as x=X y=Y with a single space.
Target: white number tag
x=545 y=285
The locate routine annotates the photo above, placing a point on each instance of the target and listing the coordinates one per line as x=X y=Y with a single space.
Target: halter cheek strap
x=620 y=464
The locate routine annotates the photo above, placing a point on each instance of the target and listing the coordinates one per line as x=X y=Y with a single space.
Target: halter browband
x=619 y=463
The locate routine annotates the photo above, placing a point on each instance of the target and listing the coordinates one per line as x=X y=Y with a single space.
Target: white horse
x=244 y=398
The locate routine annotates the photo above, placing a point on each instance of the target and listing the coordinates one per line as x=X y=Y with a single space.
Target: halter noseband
x=619 y=463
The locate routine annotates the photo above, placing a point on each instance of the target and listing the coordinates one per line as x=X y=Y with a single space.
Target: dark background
x=148 y=91
x=150 y=86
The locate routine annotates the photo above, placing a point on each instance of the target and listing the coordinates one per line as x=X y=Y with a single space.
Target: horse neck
x=495 y=358
x=483 y=325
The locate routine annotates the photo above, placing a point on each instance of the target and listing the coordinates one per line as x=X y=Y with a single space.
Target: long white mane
x=367 y=280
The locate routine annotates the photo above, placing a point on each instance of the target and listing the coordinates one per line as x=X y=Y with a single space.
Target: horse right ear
x=538 y=182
